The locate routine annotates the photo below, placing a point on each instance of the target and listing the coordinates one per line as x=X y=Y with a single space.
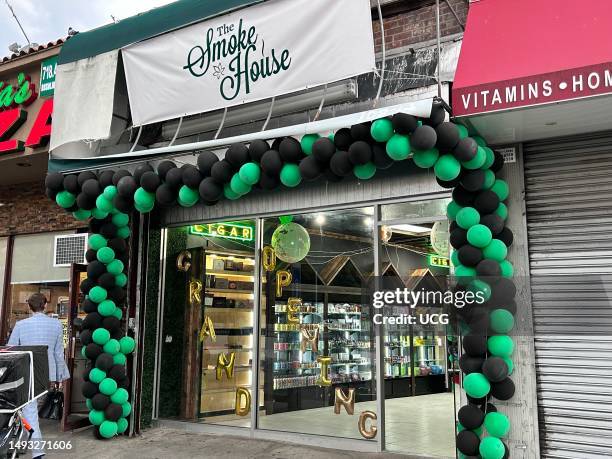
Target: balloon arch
x=477 y=233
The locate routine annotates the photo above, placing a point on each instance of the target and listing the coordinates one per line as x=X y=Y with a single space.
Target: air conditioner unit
x=69 y=249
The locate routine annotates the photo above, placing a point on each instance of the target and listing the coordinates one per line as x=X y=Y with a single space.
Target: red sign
x=570 y=84
x=13 y=114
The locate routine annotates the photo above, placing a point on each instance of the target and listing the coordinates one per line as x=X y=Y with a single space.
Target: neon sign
x=436 y=260
x=234 y=231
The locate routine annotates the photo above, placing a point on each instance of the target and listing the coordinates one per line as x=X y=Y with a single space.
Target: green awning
x=145 y=25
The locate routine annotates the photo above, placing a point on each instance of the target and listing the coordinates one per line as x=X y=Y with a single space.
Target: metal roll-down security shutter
x=569 y=220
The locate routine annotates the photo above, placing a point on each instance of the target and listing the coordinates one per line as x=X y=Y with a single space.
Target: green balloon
x=479 y=236
x=105 y=255
x=464 y=274
x=364 y=171
x=98 y=294
x=496 y=250
x=454 y=258
x=307 y=142
x=121 y=280
x=83 y=353
x=507 y=270
x=480 y=288
x=143 y=198
x=500 y=345
x=188 y=197
x=88 y=404
x=491 y=448
x=382 y=130
x=452 y=209
x=477 y=161
x=99 y=214
x=250 y=173
x=96 y=417
x=468 y=217
x=126 y=409
x=100 y=336
x=112 y=347
x=479 y=140
x=502 y=210
x=425 y=158
x=476 y=385
x=81 y=214
x=108 y=429
x=120 y=219
x=501 y=189
x=229 y=193
x=106 y=308
x=120 y=396
x=238 y=186
x=104 y=204
x=127 y=344
x=510 y=364
x=489 y=179
x=460 y=427
x=108 y=386
x=65 y=199
x=290 y=175
x=490 y=158
x=115 y=267
x=463 y=132
x=497 y=424
x=96 y=241
x=447 y=168
x=96 y=375
x=122 y=425
x=501 y=321
x=123 y=232
x=119 y=359
x=110 y=192
x=398 y=147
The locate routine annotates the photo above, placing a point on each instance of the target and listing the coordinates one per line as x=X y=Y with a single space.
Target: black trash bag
x=53 y=406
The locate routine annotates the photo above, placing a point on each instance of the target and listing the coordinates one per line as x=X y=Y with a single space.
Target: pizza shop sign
x=14 y=103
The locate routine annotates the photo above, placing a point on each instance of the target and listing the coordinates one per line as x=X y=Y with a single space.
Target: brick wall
x=26 y=209
x=419 y=24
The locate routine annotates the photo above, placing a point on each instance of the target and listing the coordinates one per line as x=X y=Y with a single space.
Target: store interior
x=315 y=325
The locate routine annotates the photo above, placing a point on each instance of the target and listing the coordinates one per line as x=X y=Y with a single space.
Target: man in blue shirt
x=41 y=330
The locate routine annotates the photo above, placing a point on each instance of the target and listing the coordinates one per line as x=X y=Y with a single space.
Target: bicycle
x=14 y=428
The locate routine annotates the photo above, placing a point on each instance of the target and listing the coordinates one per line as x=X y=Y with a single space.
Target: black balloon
x=118 y=245
x=403 y=123
x=117 y=294
x=106 y=281
x=106 y=178
x=100 y=401
x=92 y=321
x=257 y=148
x=437 y=116
x=503 y=291
x=174 y=178
x=330 y=176
x=478 y=321
x=85 y=337
x=423 y=138
x=448 y=136
x=290 y=150
x=494 y=222
x=87 y=285
x=222 y=171
x=468 y=442
x=380 y=157
x=111 y=323
x=498 y=162
x=343 y=139
x=360 y=153
x=475 y=344
x=452 y=226
x=469 y=255
x=118 y=175
x=89 y=389
x=140 y=171
x=506 y=236
x=91 y=188
x=361 y=132
x=89 y=306
x=463 y=197
x=150 y=181
x=267 y=182
x=206 y=160
x=473 y=180
x=489 y=408
x=486 y=202
x=113 y=412
x=340 y=164
x=470 y=364
x=210 y=190
x=458 y=238
x=471 y=417
x=51 y=194
x=323 y=149
x=108 y=230
x=117 y=372
x=276 y=143
x=488 y=268
x=165 y=195
x=466 y=149
x=191 y=176
x=104 y=362
x=271 y=163
x=71 y=183
x=450 y=183
x=495 y=369
x=54 y=181
x=123 y=203
x=237 y=155
x=127 y=186
x=310 y=168
x=503 y=390
x=95 y=269
x=90 y=255
x=164 y=167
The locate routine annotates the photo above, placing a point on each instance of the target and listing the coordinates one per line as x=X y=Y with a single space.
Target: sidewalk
x=166 y=443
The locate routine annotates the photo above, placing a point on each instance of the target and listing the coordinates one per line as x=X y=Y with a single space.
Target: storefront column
x=256 y=325
x=379 y=352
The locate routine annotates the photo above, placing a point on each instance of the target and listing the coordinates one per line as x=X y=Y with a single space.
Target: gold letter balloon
x=363 y=430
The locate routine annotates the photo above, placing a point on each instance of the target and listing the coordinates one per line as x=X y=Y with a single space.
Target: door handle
x=72 y=347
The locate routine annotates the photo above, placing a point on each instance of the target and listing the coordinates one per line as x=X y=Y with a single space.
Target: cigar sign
x=267 y=50
x=15 y=108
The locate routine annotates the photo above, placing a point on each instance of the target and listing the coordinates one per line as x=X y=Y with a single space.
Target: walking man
x=41 y=330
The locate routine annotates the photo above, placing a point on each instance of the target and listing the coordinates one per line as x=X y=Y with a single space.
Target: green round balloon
x=479 y=140
x=491 y=448
x=106 y=308
x=507 y=269
x=115 y=267
x=501 y=321
x=127 y=344
x=476 y=385
x=119 y=359
x=464 y=274
x=480 y=288
x=108 y=429
x=96 y=417
x=105 y=205
x=83 y=353
x=489 y=179
x=123 y=232
x=98 y=214
x=510 y=364
x=126 y=409
x=143 y=209
x=307 y=142
x=477 y=161
x=81 y=214
x=490 y=158
x=65 y=199
x=88 y=404
x=96 y=375
x=98 y=294
x=112 y=347
x=501 y=189
x=122 y=425
x=452 y=209
x=120 y=219
x=468 y=217
x=229 y=193
x=496 y=250
x=121 y=280
x=364 y=171
x=382 y=130
x=118 y=313
x=454 y=258
x=398 y=147
x=290 y=175
x=425 y=158
x=120 y=396
x=96 y=241
x=188 y=196
x=100 y=336
x=447 y=168
x=502 y=210
x=497 y=424
x=463 y=132
x=110 y=192
x=105 y=255
x=108 y=386
x=143 y=198
x=500 y=345
x=479 y=236
x=291 y=242
x=250 y=173
x=238 y=186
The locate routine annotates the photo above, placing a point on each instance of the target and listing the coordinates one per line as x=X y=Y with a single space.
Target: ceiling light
x=320 y=219
x=411 y=229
